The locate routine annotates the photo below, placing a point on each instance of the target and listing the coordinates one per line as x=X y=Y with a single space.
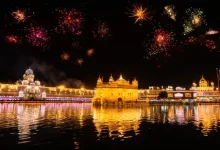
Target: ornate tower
x=111 y=79
x=203 y=82
x=135 y=82
x=99 y=81
x=28 y=77
x=212 y=84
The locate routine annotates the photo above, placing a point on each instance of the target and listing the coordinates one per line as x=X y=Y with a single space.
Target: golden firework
x=139 y=13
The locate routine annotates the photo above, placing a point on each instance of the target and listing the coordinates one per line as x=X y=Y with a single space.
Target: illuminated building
x=205 y=91
x=30 y=89
x=115 y=92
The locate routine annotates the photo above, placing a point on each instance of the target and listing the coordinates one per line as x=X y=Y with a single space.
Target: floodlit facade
x=205 y=90
x=115 y=92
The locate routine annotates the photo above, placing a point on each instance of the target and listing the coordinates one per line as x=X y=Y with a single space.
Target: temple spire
x=120 y=76
x=111 y=79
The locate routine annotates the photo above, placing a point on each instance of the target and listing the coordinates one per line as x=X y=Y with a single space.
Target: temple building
x=115 y=92
x=30 y=89
x=205 y=90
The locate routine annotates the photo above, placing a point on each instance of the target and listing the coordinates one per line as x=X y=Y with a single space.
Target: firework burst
x=65 y=56
x=212 y=32
x=210 y=44
x=139 y=13
x=70 y=22
x=38 y=36
x=169 y=10
x=161 y=43
x=101 y=31
x=196 y=19
x=80 y=61
x=90 y=52
x=19 y=15
x=190 y=40
x=13 y=39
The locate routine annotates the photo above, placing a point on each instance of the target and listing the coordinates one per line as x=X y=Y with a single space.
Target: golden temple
x=115 y=92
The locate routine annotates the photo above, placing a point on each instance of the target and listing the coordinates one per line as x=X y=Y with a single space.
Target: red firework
x=101 y=30
x=161 y=43
x=210 y=44
x=65 y=56
x=161 y=38
x=70 y=21
x=13 y=39
x=37 y=36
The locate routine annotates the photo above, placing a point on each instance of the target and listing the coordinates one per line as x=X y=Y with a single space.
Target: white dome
x=29 y=71
x=37 y=83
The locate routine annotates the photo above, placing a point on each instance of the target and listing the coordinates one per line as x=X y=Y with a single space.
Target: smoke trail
x=54 y=76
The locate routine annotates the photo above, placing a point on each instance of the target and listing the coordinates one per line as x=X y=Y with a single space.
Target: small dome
x=29 y=71
x=37 y=83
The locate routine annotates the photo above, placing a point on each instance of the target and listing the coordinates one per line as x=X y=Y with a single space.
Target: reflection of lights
x=113 y=122
x=118 y=121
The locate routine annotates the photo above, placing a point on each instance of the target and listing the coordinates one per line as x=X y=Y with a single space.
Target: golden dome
x=194 y=84
x=203 y=82
x=111 y=79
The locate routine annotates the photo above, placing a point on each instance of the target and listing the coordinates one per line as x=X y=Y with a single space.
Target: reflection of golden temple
x=117 y=121
x=115 y=92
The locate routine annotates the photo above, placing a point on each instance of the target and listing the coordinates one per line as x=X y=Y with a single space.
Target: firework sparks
x=212 y=32
x=187 y=26
x=196 y=19
x=70 y=21
x=101 y=31
x=65 y=56
x=38 y=36
x=139 y=13
x=13 y=39
x=80 y=61
x=75 y=44
x=161 y=43
x=191 y=39
x=19 y=15
x=169 y=10
x=90 y=52
x=210 y=44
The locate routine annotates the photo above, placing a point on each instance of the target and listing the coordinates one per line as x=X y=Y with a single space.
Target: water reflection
x=116 y=121
x=51 y=119
x=28 y=117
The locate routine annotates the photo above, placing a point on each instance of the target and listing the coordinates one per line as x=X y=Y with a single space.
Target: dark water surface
x=68 y=126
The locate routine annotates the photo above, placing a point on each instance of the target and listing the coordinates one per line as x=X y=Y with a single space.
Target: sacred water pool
x=82 y=126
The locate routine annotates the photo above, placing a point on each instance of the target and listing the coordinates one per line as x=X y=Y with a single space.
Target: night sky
x=121 y=51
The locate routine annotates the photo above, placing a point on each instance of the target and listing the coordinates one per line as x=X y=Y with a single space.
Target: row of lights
x=12 y=98
x=52 y=98
x=70 y=99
